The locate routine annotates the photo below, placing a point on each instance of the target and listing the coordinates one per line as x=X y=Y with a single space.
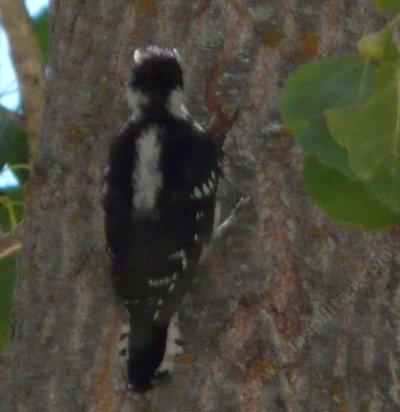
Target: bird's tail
x=147 y=350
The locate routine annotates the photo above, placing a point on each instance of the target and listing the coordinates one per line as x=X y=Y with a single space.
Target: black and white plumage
x=159 y=200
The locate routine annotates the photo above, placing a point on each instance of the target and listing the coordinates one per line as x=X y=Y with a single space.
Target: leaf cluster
x=345 y=115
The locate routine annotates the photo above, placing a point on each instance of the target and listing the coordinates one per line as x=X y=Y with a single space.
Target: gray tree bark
x=295 y=313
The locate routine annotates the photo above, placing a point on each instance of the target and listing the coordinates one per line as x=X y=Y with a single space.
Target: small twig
x=221 y=230
x=11 y=242
x=20 y=166
x=231 y=219
x=8 y=204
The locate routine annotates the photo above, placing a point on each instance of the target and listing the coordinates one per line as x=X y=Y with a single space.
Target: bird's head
x=156 y=75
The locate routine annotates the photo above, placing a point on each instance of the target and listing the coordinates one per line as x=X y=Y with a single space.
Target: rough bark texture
x=296 y=312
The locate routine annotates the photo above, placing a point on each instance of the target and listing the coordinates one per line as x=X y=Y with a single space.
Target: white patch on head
x=178 y=109
x=138 y=56
x=172 y=348
x=136 y=100
x=146 y=177
x=175 y=105
x=177 y=55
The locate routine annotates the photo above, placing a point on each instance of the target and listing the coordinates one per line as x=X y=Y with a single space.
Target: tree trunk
x=295 y=313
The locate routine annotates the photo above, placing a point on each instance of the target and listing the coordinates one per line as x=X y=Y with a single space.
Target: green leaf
x=316 y=87
x=7 y=277
x=392 y=5
x=13 y=144
x=42 y=25
x=380 y=45
x=11 y=198
x=346 y=200
x=371 y=134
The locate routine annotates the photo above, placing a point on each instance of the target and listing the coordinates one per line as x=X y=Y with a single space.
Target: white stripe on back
x=147 y=178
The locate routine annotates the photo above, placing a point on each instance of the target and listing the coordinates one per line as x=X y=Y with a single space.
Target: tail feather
x=145 y=355
x=123 y=344
x=148 y=352
x=172 y=348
